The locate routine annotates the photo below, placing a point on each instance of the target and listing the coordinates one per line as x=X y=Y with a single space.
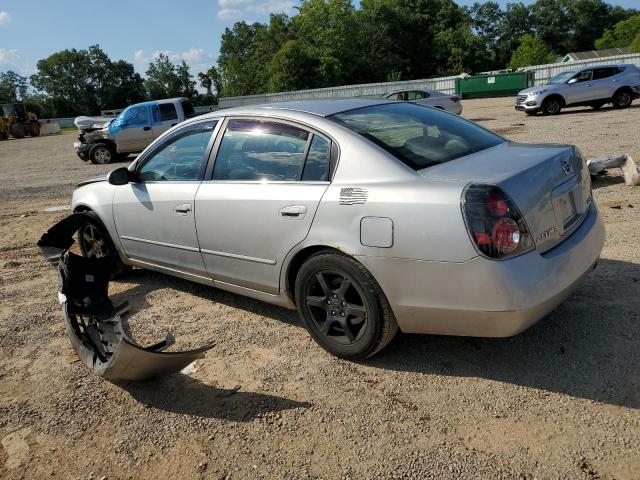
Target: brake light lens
x=455 y=99
x=496 y=226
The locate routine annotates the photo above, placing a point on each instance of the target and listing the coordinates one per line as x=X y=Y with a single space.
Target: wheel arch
x=297 y=261
x=563 y=102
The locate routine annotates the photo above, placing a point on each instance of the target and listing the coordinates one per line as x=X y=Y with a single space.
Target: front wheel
x=551 y=106
x=622 y=99
x=94 y=242
x=102 y=154
x=343 y=307
x=34 y=129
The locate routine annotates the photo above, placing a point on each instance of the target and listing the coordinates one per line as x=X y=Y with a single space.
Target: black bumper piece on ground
x=93 y=323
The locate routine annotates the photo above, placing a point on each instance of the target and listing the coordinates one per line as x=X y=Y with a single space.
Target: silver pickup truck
x=104 y=140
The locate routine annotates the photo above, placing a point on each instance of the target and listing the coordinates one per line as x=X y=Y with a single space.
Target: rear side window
x=318 y=161
x=187 y=108
x=261 y=150
x=417 y=135
x=600 y=73
x=167 y=112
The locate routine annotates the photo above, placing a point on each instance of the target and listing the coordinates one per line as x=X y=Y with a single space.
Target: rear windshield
x=418 y=135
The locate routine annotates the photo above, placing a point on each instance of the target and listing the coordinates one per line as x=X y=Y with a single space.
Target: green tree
x=13 y=87
x=186 y=84
x=532 y=51
x=621 y=35
x=635 y=45
x=297 y=65
x=86 y=81
x=162 y=79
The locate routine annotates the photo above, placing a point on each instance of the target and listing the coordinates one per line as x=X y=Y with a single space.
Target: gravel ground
x=560 y=400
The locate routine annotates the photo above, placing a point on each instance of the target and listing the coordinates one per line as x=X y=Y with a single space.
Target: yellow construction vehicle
x=17 y=122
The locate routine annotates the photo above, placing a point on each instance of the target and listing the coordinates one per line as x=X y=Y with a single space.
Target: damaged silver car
x=93 y=323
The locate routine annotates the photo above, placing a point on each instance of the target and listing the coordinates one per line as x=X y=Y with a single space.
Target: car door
x=267 y=181
x=164 y=117
x=579 y=88
x=604 y=83
x=154 y=215
x=132 y=132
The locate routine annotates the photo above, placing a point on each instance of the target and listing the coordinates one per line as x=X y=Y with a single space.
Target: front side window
x=181 y=158
x=261 y=150
x=584 y=76
x=417 y=135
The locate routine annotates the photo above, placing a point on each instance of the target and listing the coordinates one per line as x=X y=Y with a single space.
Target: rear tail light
x=455 y=99
x=494 y=223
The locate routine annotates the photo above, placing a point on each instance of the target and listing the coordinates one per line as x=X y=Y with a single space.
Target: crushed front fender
x=94 y=325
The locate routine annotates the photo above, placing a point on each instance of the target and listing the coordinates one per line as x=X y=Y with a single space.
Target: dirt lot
x=558 y=401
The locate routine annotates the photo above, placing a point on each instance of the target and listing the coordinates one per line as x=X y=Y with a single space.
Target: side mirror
x=119 y=176
x=573 y=80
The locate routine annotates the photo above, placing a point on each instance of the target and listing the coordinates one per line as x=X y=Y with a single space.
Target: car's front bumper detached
x=93 y=323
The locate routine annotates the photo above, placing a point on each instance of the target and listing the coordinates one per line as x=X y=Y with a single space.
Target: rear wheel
x=18 y=130
x=622 y=98
x=34 y=129
x=95 y=242
x=102 y=154
x=551 y=106
x=343 y=307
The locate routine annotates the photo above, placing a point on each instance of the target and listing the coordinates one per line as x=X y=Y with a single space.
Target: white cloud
x=244 y=9
x=10 y=59
x=197 y=58
x=4 y=17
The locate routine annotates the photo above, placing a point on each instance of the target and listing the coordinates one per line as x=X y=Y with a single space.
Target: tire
x=18 y=130
x=101 y=154
x=3 y=136
x=551 y=106
x=622 y=99
x=35 y=129
x=350 y=320
x=94 y=241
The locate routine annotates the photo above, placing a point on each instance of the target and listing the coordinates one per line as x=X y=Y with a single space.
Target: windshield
x=417 y=135
x=561 y=78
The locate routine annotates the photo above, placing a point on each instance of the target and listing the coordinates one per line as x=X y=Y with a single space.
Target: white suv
x=590 y=86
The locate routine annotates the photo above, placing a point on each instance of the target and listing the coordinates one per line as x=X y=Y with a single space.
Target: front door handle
x=183 y=209
x=146 y=129
x=293 y=211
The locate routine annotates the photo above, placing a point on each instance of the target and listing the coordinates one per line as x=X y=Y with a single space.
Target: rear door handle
x=183 y=209
x=293 y=211
x=146 y=129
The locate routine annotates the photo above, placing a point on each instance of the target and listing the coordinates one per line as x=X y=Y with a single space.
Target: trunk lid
x=550 y=184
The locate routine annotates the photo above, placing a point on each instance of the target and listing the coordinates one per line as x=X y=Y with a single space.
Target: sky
x=133 y=30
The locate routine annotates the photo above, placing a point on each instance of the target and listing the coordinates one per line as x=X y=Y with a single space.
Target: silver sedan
x=368 y=216
x=431 y=98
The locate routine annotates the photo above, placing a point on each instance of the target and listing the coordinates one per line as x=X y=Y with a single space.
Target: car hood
x=526 y=91
x=99 y=178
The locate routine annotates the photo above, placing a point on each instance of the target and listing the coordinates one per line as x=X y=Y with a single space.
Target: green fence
x=503 y=84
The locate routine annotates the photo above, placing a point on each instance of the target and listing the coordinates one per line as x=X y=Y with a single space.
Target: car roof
x=320 y=107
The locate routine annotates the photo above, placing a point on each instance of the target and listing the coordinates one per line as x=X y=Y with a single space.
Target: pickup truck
x=104 y=140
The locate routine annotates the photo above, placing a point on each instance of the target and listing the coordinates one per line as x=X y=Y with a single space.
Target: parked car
x=589 y=86
x=368 y=216
x=432 y=98
x=103 y=139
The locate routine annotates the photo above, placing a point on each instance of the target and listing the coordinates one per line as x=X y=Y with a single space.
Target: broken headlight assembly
x=94 y=324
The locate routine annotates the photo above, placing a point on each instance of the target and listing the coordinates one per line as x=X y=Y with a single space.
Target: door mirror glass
x=119 y=176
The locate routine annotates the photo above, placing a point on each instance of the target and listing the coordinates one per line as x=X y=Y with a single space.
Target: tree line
x=333 y=42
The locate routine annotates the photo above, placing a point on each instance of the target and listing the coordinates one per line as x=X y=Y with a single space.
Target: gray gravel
x=558 y=401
